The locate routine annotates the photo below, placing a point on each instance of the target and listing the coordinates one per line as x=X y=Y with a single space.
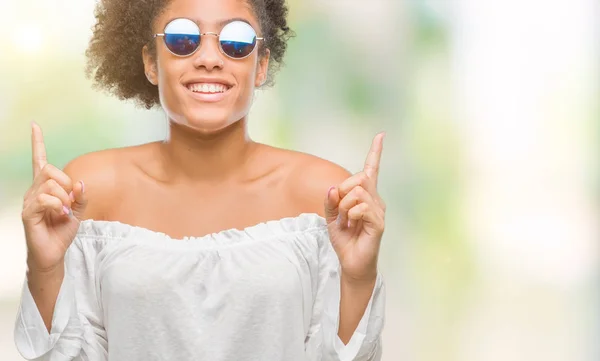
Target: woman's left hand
x=355 y=215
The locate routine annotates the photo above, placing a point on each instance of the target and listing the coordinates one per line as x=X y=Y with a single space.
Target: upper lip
x=208 y=80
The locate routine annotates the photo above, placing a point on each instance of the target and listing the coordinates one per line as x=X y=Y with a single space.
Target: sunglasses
x=237 y=39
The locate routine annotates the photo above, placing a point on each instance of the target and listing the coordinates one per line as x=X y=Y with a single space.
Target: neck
x=194 y=156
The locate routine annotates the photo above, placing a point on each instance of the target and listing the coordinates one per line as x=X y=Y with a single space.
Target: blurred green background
x=490 y=168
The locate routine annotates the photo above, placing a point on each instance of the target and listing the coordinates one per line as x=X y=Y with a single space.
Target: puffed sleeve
x=322 y=342
x=77 y=331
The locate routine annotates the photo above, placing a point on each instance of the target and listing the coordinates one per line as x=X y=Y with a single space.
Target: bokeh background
x=490 y=168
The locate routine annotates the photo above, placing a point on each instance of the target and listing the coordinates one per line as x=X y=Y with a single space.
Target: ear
x=149 y=66
x=263 y=67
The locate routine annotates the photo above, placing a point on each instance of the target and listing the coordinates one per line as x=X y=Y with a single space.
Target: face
x=207 y=90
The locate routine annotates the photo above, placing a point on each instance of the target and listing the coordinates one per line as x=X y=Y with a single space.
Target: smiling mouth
x=208 y=88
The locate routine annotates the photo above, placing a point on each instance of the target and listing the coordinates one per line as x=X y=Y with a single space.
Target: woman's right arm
x=52 y=209
x=58 y=312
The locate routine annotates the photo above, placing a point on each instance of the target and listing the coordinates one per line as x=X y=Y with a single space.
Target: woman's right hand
x=52 y=209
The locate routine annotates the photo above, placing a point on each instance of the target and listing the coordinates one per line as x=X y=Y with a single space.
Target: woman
x=272 y=273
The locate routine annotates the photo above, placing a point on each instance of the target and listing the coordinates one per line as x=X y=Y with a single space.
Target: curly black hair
x=123 y=27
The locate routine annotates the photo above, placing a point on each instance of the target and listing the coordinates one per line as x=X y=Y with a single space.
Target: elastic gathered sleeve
x=77 y=331
x=323 y=342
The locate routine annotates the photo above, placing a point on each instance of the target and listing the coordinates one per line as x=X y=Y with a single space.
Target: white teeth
x=207 y=88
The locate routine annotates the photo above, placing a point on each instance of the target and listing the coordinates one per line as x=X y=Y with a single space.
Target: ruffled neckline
x=305 y=222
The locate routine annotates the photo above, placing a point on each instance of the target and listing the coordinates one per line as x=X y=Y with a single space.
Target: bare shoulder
x=100 y=172
x=310 y=178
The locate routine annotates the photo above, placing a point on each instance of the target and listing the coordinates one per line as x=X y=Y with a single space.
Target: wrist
x=35 y=268
x=364 y=280
x=39 y=280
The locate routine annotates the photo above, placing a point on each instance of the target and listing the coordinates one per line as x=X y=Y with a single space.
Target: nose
x=209 y=55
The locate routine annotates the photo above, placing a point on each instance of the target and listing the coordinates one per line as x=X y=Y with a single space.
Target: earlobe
x=260 y=77
x=149 y=66
x=263 y=67
x=260 y=80
x=151 y=76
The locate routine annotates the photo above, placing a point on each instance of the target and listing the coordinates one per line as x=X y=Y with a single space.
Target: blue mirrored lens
x=182 y=36
x=237 y=49
x=238 y=39
x=182 y=44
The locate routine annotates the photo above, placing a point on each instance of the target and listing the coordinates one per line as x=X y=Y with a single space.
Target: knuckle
x=40 y=198
x=360 y=191
x=47 y=168
x=67 y=180
x=343 y=188
x=347 y=206
x=51 y=184
x=363 y=178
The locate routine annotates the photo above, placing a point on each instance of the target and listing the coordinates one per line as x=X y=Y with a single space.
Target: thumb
x=79 y=200
x=332 y=201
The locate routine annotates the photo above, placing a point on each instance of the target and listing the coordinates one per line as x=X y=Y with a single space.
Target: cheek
x=169 y=86
x=246 y=89
x=246 y=83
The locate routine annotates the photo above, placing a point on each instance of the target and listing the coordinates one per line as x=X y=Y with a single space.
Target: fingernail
x=72 y=196
x=66 y=210
x=82 y=186
x=329 y=191
x=349 y=224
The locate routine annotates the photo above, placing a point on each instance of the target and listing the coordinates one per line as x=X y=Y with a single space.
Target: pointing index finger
x=371 y=168
x=38 y=149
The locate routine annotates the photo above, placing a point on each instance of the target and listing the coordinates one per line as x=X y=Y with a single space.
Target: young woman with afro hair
x=206 y=245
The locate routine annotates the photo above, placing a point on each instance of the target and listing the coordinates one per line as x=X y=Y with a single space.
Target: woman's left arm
x=355 y=215
x=351 y=290
x=349 y=306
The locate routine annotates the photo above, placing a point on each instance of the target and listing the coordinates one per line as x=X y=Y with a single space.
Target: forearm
x=44 y=286
x=355 y=296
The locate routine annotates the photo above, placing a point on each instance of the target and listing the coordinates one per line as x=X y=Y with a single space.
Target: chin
x=204 y=117
x=207 y=122
x=208 y=126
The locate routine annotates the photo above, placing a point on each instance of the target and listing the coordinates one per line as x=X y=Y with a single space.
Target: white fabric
x=268 y=292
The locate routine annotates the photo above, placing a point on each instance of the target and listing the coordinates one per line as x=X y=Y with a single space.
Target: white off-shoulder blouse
x=269 y=292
